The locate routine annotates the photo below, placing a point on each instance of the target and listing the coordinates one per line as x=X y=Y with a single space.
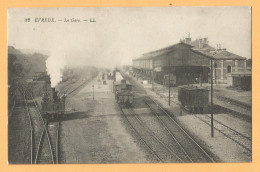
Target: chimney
x=205 y=41
x=219 y=47
x=188 y=39
x=200 y=43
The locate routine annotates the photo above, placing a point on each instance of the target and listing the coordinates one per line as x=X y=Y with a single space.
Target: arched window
x=228 y=69
x=215 y=64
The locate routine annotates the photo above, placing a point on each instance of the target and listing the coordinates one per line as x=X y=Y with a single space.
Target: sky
x=121 y=34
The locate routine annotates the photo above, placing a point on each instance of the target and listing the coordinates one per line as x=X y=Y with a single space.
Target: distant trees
x=15 y=70
x=24 y=66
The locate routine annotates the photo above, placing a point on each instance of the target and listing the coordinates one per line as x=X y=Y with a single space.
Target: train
x=52 y=106
x=194 y=99
x=123 y=90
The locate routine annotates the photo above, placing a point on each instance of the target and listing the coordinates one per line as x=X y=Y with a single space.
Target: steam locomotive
x=53 y=107
x=123 y=90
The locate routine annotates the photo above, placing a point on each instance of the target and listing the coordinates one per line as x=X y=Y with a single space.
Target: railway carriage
x=123 y=92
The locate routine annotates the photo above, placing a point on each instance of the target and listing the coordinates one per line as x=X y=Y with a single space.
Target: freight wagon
x=194 y=99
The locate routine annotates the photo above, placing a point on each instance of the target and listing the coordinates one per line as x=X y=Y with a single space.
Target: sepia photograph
x=120 y=85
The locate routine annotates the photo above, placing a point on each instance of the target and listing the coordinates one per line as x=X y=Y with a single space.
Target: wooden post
x=212 y=125
x=169 y=81
x=215 y=65
x=93 y=91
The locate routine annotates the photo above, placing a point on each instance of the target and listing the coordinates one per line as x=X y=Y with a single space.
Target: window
x=215 y=65
x=228 y=69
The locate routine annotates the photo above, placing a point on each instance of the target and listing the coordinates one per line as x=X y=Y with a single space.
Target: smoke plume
x=55 y=63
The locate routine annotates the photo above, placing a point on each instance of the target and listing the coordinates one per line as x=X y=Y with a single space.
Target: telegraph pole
x=93 y=91
x=152 y=75
x=211 y=91
x=215 y=68
x=152 y=79
x=169 y=81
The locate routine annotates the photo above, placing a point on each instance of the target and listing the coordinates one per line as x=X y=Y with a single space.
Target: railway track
x=241 y=139
x=171 y=143
x=53 y=129
x=164 y=152
x=169 y=146
x=67 y=90
x=44 y=154
x=31 y=128
x=43 y=136
x=179 y=148
x=140 y=135
x=188 y=149
x=189 y=146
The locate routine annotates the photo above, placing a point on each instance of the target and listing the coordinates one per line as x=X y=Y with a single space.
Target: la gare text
x=50 y=20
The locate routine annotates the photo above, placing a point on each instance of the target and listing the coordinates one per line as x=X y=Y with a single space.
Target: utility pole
x=152 y=75
x=169 y=81
x=215 y=68
x=152 y=79
x=93 y=91
x=211 y=91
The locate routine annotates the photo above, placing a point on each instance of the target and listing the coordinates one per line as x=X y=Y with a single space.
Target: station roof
x=206 y=50
x=163 y=51
x=226 y=55
x=166 y=49
x=221 y=54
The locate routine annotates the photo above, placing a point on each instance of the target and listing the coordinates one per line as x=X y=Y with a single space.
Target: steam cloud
x=73 y=57
x=55 y=63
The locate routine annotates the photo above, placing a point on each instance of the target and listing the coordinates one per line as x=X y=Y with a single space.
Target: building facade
x=188 y=62
x=225 y=62
x=183 y=64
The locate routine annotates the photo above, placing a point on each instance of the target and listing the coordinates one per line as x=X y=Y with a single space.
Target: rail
x=154 y=136
x=168 y=130
x=44 y=126
x=234 y=135
x=137 y=133
x=173 y=120
x=45 y=129
x=176 y=123
x=31 y=128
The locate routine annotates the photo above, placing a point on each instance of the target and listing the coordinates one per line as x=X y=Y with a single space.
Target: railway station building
x=188 y=62
x=184 y=64
x=225 y=62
